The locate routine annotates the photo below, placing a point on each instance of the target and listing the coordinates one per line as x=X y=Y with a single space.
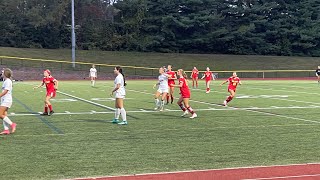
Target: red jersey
x=195 y=73
x=173 y=75
x=184 y=90
x=49 y=81
x=208 y=75
x=233 y=82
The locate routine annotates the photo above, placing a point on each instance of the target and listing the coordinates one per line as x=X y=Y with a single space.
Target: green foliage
x=273 y=27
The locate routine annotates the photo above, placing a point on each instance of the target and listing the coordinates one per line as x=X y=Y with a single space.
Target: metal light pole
x=73 y=36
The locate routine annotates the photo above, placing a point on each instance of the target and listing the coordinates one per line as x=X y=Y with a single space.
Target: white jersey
x=120 y=80
x=7 y=85
x=93 y=72
x=163 y=81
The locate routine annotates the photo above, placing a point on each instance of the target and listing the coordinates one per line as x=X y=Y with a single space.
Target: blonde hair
x=183 y=73
x=7 y=73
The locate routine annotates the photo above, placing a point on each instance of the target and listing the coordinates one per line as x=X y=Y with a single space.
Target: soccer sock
x=7 y=120
x=190 y=110
x=156 y=101
x=167 y=98
x=123 y=114
x=93 y=82
x=229 y=98
x=117 y=113
x=50 y=107
x=5 y=125
x=208 y=89
x=162 y=104
x=182 y=107
x=45 y=108
x=171 y=98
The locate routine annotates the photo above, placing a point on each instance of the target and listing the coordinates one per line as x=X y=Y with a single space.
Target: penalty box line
x=248 y=110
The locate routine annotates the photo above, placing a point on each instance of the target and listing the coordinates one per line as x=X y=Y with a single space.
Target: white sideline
x=204 y=170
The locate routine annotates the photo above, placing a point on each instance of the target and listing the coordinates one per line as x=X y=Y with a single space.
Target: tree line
x=264 y=27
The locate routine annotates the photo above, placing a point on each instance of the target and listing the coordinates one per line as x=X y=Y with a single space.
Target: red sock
x=182 y=107
x=50 y=107
x=167 y=98
x=190 y=110
x=208 y=89
x=45 y=109
x=171 y=98
x=229 y=98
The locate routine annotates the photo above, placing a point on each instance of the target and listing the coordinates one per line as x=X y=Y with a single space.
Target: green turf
x=281 y=126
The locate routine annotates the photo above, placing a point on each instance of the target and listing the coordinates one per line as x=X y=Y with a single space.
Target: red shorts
x=171 y=84
x=207 y=80
x=194 y=77
x=185 y=95
x=232 y=89
x=51 y=94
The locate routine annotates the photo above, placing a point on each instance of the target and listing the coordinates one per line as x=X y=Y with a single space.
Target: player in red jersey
x=194 y=76
x=172 y=77
x=234 y=80
x=209 y=76
x=52 y=86
x=185 y=94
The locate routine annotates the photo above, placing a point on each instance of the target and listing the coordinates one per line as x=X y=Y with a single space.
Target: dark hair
x=121 y=72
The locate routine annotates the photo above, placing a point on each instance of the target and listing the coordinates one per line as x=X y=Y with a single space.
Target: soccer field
x=268 y=123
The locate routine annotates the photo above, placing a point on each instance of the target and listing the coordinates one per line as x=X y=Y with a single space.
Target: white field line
x=87 y=101
x=249 y=110
x=166 y=110
x=172 y=129
x=287 y=177
x=279 y=90
x=205 y=170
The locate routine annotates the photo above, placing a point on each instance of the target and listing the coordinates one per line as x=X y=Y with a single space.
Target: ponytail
x=121 y=72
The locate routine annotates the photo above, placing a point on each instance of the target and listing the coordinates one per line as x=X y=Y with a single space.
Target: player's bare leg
x=229 y=98
x=48 y=103
x=188 y=107
x=182 y=107
x=6 y=121
x=208 y=86
x=163 y=97
x=196 y=82
x=156 y=100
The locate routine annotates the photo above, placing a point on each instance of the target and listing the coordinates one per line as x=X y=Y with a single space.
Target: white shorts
x=6 y=104
x=163 y=90
x=119 y=96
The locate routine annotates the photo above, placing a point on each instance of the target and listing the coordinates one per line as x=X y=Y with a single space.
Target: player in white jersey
x=93 y=75
x=6 y=102
x=163 y=89
x=120 y=93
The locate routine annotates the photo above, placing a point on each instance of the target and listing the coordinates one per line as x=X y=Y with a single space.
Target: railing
x=60 y=65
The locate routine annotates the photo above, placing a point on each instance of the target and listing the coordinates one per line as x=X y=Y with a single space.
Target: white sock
x=7 y=120
x=157 y=102
x=5 y=125
x=123 y=114
x=117 y=113
x=162 y=103
x=93 y=82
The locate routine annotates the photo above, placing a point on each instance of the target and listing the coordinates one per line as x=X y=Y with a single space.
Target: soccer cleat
x=161 y=109
x=123 y=123
x=115 y=121
x=194 y=115
x=44 y=114
x=5 y=132
x=225 y=103
x=171 y=101
x=207 y=91
x=185 y=113
x=13 y=127
x=50 y=113
x=156 y=108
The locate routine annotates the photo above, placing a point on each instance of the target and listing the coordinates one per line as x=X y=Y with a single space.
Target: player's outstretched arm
x=36 y=87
